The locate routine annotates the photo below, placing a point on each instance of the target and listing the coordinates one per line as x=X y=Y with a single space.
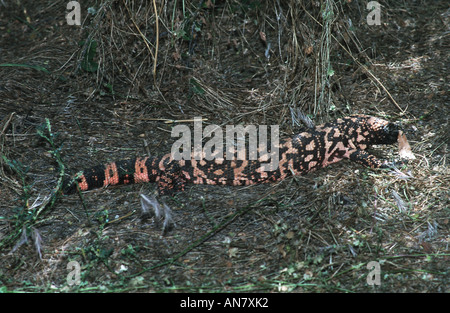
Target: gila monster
x=314 y=148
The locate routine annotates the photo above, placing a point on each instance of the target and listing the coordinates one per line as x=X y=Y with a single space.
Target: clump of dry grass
x=289 y=49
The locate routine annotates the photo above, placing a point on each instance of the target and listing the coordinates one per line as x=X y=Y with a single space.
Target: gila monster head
x=389 y=133
x=372 y=130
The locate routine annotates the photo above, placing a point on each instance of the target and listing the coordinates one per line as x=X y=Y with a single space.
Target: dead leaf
x=281 y=249
x=308 y=50
x=404 y=149
x=290 y=235
x=232 y=252
x=262 y=35
x=427 y=247
x=176 y=56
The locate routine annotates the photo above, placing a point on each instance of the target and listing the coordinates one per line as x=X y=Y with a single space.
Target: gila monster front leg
x=364 y=158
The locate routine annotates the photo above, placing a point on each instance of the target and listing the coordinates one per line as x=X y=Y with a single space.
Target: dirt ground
x=76 y=96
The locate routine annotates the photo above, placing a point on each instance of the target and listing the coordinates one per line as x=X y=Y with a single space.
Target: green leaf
x=195 y=87
x=88 y=64
x=330 y=72
x=35 y=67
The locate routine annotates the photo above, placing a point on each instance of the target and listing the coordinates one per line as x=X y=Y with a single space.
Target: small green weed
x=28 y=215
x=87 y=63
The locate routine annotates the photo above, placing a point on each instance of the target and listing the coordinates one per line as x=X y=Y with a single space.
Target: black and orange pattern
x=345 y=138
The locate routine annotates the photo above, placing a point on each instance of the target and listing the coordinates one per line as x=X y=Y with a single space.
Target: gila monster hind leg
x=364 y=158
x=171 y=180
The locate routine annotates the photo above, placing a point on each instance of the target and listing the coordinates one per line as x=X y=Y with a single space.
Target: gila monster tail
x=139 y=170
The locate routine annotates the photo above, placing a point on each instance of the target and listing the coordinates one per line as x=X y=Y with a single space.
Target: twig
x=370 y=73
x=155 y=59
x=204 y=238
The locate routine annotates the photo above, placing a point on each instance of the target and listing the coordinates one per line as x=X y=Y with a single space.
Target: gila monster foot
x=160 y=211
